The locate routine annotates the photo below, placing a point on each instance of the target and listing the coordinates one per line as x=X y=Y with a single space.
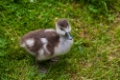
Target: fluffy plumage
x=48 y=43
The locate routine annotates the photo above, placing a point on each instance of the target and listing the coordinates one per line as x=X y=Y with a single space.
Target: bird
x=45 y=44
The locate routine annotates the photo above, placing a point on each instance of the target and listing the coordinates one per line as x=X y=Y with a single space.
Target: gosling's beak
x=68 y=35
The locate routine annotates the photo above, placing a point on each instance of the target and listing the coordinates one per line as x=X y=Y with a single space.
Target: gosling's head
x=63 y=28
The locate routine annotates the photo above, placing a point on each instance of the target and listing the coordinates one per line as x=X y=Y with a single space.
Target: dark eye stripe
x=61 y=28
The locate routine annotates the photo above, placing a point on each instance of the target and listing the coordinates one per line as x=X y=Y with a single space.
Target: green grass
x=95 y=54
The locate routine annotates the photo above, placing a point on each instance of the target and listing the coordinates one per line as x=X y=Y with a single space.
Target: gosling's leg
x=55 y=59
x=36 y=61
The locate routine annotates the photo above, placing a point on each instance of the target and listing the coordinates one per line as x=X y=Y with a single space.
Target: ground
x=95 y=54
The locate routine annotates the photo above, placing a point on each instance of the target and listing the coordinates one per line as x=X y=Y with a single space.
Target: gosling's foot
x=43 y=70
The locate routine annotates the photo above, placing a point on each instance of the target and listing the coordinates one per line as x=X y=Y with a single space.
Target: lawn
x=95 y=54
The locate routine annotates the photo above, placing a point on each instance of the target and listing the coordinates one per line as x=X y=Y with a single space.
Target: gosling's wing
x=40 y=39
x=31 y=41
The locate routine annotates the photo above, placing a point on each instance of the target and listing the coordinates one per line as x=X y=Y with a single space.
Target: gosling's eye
x=62 y=29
